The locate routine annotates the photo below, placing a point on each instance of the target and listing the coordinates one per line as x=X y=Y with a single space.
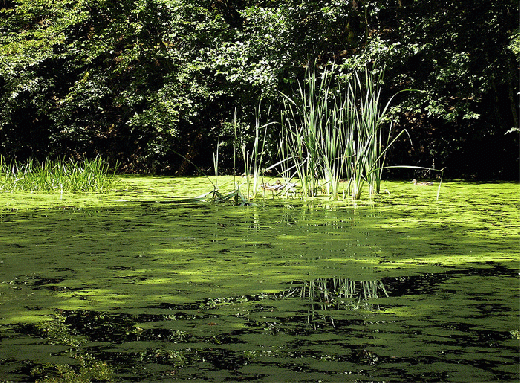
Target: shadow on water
x=156 y=292
x=332 y=329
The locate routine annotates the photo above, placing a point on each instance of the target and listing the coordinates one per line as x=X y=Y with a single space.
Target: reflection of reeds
x=330 y=291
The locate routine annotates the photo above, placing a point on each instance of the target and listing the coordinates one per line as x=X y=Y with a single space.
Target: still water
x=138 y=285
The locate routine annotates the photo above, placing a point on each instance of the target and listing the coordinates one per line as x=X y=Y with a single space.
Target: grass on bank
x=56 y=176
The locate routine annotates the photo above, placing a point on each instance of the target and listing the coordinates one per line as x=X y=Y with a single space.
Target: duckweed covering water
x=140 y=285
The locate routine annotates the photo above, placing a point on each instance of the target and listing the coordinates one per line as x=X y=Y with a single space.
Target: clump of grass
x=332 y=131
x=56 y=176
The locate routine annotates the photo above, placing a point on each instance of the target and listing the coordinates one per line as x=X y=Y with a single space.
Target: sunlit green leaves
x=514 y=44
x=35 y=28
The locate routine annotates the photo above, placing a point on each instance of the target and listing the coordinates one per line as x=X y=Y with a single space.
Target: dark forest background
x=155 y=85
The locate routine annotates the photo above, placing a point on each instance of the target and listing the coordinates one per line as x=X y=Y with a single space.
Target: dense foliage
x=155 y=84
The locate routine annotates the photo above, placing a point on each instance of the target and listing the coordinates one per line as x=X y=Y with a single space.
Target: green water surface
x=144 y=285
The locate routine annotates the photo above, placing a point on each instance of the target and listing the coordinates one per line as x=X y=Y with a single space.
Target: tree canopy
x=142 y=81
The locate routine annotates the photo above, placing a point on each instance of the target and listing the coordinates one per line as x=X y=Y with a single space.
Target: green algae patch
x=403 y=285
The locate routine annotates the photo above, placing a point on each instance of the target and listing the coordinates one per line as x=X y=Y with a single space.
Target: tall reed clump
x=332 y=131
x=56 y=176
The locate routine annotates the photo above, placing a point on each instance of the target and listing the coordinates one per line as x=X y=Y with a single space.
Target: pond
x=140 y=285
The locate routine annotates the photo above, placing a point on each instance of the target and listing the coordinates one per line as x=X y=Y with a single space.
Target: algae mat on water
x=137 y=285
